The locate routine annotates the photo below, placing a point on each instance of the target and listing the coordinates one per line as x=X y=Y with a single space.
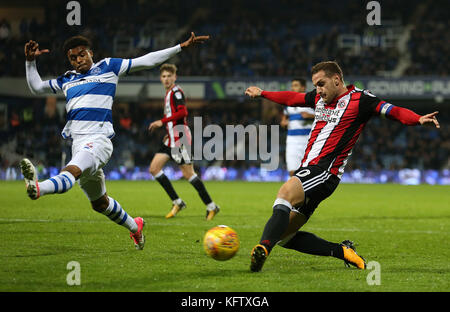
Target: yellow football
x=221 y=243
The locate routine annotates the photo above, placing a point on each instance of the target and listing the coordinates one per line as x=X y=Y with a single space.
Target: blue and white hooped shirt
x=297 y=125
x=89 y=97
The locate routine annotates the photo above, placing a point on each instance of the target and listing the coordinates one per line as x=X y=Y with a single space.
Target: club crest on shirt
x=95 y=71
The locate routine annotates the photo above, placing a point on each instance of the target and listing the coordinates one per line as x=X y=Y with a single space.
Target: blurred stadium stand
x=265 y=42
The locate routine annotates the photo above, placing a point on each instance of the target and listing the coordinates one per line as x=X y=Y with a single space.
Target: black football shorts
x=317 y=184
x=179 y=154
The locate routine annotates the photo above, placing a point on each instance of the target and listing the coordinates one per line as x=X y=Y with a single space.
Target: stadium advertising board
x=210 y=88
x=404 y=88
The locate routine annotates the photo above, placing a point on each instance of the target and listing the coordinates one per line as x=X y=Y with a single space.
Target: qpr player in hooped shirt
x=89 y=90
x=298 y=121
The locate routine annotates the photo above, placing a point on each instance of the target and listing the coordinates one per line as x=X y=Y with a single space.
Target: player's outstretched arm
x=288 y=98
x=156 y=58
x=34 y=80
x=406 y=116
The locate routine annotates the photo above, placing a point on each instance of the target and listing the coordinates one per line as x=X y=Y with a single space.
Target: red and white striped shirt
x=337 y=125
x=175 y=116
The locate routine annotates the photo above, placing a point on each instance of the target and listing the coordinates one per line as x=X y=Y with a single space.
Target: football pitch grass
x=406 y=229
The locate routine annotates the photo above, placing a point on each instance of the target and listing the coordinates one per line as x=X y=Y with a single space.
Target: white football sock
x=60 y=183
x=211 y=206
x=177 y=201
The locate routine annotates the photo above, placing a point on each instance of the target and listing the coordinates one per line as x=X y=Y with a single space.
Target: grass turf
x=404 y=228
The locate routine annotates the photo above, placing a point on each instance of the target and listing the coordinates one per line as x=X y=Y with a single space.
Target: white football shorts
x=91 y=153
x=295 y=150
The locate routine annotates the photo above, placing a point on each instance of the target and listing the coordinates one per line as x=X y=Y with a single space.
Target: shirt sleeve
x=151 y=59
x=119 y=66
x=310 y=100
x=55 y=85
x=368 y=104
x=290 y=98
x=178 y=98
x=403 y=115
x=371 y=105
x=180 y=107
x=35 y=83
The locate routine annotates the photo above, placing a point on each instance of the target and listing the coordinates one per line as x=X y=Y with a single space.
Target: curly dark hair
x=76 y=41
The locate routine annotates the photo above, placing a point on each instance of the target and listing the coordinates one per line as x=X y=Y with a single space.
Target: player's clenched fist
x=32 y=50
x=253 y=91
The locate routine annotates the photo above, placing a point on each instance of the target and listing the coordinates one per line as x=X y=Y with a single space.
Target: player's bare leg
x=156 y=166
x=189 y=174
x=158 y=163
x=74 y=170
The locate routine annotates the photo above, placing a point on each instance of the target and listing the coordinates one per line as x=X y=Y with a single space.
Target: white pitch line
x=49 y=220
x=181 y=224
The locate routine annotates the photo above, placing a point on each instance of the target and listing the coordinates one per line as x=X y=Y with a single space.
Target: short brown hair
x=171 y=68
x=329 y=67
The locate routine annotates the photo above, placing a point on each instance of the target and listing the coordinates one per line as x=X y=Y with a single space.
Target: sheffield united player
x=174 y=120
x=341 y=113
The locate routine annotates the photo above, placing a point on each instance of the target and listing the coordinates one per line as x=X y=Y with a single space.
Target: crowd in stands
x=430 y=51
x=248 y=38
x=383 y=145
